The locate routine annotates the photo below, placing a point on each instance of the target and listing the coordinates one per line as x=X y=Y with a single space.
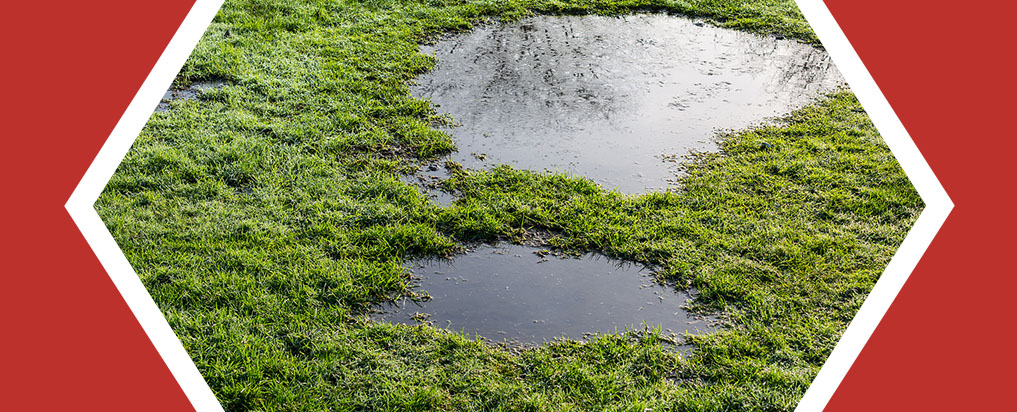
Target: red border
x=947 y=342
x=69 y=342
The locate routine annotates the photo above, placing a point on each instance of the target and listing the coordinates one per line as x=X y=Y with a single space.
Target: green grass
x=266 y=216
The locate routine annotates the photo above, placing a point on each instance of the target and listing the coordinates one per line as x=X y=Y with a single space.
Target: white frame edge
x=81 y=206
x=937 y=206
x=81 y=203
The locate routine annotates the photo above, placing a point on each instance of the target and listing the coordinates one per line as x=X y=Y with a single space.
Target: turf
x=266 y=217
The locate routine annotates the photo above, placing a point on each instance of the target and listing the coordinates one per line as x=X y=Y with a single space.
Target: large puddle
x=619 y=100
x=526 y=295
x=615 y=99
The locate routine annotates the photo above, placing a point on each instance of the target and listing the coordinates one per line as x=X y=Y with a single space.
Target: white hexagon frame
x=81 y=203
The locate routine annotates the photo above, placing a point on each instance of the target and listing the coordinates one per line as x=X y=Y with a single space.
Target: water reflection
x=612 y=98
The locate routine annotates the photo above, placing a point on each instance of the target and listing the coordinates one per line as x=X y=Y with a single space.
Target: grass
x=266 y=216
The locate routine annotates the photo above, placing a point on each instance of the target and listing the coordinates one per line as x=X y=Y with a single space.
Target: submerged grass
x=267 y=215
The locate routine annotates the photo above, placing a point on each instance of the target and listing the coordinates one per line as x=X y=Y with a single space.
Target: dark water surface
x=509 y=292
x=614 y=99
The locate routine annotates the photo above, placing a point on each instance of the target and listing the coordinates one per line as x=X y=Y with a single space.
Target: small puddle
x=522 y=294
x=190 y=92
x=616 y=99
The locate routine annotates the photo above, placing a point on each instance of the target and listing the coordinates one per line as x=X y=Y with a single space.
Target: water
x=510 y=292
x=616 y=99
x=190 y=92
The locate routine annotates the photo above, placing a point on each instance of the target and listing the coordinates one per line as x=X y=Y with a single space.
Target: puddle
x=614 y=99
x=190 y=92
x=510 y=293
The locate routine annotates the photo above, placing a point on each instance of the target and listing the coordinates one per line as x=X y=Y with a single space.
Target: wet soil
x=190 y=92
x=619 y=100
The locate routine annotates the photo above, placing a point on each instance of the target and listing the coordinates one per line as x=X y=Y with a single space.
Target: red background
x=947 y=342
x=69 y=342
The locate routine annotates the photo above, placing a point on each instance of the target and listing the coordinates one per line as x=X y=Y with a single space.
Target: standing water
x=618 y=100
x=614 y=99
x=523 y=294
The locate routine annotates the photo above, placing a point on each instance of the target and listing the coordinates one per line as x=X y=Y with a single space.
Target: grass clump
x=267 y=215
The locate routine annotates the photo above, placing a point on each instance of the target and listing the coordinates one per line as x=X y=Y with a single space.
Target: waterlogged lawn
x=267 y=216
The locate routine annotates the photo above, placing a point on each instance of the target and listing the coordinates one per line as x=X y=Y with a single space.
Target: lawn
x=267 y=216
